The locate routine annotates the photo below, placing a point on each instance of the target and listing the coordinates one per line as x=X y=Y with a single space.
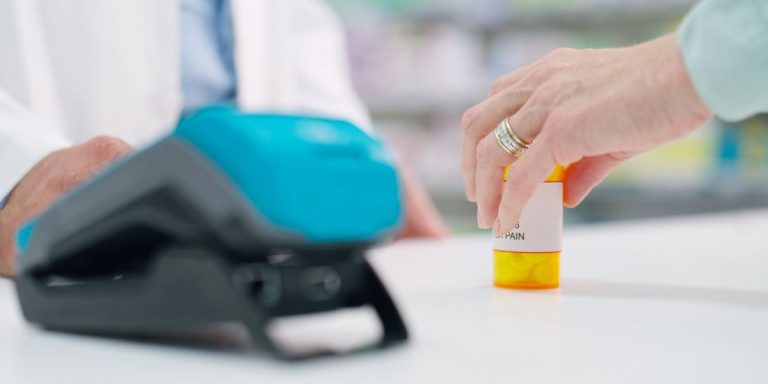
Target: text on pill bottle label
x=540 y=228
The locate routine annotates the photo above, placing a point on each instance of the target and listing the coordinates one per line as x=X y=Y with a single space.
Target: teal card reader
x=231 y=218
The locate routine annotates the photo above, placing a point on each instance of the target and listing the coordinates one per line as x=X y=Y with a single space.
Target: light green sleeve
x=725 y=47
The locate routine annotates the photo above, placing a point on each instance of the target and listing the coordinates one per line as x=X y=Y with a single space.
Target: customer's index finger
x=523 y=178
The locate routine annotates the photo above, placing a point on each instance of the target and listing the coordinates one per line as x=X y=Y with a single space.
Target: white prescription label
x=541 y=224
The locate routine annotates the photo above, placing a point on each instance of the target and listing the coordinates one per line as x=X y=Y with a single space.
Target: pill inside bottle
x=528 y=257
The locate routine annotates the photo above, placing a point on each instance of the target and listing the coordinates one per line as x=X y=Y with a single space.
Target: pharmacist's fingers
x=584 y=175
x=523 y=178
x=491 y=162
x=480 y=120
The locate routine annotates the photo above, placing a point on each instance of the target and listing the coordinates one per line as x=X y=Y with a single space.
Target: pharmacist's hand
x=421 y=217
x=53 y=176
x=591 y=109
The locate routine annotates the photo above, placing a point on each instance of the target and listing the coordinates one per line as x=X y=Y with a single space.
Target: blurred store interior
x=420 y=63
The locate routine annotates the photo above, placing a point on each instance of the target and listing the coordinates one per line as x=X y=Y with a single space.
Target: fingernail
x=470 y=113
x=496 y=228
x=468 y=193
x=482 y=222
x=470 y=196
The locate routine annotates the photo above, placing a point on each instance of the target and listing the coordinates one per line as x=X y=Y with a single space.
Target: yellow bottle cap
x=558 y=174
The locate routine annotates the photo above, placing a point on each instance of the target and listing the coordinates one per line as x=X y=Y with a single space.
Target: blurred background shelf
x=615 y=204
x=419 y=64
x=599 y=15
x=607 y=204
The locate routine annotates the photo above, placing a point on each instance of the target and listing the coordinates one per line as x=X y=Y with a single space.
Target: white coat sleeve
x=291 y=57
x=24 y=140
x=324 y=82
x=25 y=86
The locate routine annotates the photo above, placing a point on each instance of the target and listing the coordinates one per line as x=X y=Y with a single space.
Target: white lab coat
x=74 y=69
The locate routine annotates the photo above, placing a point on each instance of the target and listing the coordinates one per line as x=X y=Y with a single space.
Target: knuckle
x=51 y=159
x=472 y=129
x=549 y=91
x=66 y=181
x=106 y=148
x=514 y=96
x=498 y=85
x=466 y=119
x=485 y=152
x=562 y=51
x=540 y=74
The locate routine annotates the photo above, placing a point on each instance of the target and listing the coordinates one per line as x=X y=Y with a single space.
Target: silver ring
x=509 y=141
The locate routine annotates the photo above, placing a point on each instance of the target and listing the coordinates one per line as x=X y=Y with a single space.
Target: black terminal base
x=192 y=287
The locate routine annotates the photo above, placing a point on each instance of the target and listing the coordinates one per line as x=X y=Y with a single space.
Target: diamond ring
x=509 y=141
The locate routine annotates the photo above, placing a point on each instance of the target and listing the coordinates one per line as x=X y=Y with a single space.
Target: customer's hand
x=53 y=176
x=590 y=109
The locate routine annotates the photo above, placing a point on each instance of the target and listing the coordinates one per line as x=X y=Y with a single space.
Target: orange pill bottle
x=528 y=257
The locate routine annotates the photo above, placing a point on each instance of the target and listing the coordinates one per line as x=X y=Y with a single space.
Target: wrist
x=693 y=111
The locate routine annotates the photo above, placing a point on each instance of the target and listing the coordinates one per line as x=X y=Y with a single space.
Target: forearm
x=725 y=48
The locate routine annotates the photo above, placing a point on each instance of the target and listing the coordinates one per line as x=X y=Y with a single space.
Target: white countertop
x=678 y=300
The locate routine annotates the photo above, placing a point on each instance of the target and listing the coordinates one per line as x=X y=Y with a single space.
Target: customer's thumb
x=584 y=175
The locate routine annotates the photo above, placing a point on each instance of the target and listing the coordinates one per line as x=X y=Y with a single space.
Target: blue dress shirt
x=207 y=54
